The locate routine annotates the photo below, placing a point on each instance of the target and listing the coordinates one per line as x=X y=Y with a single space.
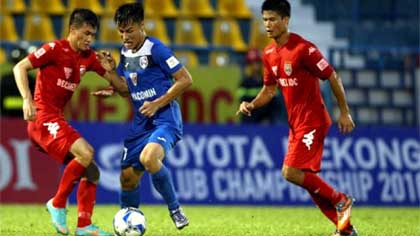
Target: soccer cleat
x=58 y=217
x=179 y=218
x=351 y=231
x=344 y=212
x=91 y=230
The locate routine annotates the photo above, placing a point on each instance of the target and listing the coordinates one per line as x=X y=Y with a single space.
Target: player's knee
x=92 y=173
x=87 y=154
x=128 y=183
x=288 y=174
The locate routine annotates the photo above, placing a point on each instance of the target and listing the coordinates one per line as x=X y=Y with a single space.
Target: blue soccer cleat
x=91 y=230
x=58 y=217
x=179 y=218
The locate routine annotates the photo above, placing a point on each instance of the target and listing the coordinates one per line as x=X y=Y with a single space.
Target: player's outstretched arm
x=20 y=71
x=183 y=80
x=264 y=96
x=345 y=122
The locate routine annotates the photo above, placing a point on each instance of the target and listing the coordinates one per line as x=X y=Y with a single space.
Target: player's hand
x=29 y=109
x=106 y=60
x=149 y=108
x=345 y=123
x=245 y=108
x=106 y=92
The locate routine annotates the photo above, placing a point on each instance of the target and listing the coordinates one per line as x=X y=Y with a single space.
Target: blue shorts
x=166 y=136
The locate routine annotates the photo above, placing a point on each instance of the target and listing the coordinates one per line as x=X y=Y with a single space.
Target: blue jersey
x=148 y=73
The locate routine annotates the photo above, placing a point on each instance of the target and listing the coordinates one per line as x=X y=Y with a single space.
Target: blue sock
x=130 y=198
x=163 y=184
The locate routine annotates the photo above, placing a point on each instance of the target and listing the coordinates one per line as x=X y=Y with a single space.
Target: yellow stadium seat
x=165 y=8
x=189 y=32
x=226 y=33
x=3 y=56
x=196 y=8
x=258 y=36
x=112 y=5
x=233 y=8
x=187 y=58
x=12 y=6
x=219 y=58
x=93 y=5
x=38 y=27
x=155 y=27
x=108 y=31
x=55 y=7
x=7 y=28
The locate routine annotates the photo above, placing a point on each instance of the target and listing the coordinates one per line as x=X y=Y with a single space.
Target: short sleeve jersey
x=296 y=68
x=60 y=70
x=148 y=73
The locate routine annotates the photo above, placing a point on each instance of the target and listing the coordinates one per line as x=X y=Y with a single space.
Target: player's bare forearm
x=339 y=93
x=183 y=80
x=20 y=72
x=117 y=83
x=265 y=95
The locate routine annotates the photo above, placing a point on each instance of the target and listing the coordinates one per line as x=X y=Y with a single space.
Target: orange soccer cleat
x=344 y=212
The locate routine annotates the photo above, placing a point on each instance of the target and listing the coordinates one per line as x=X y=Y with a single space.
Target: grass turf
x=33 y=220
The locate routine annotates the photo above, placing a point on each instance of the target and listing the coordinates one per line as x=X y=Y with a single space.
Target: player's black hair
x=282 y=7
x=128 y=13
x=83 y=15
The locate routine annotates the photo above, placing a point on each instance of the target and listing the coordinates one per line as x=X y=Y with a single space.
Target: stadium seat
x=226 y=33
x=155 y=27
x=189 y=32
x=3 y=56
x=7 y=28
x=38 y=27
x=219 y=58
x=55 y=7
x=108 y=32
x=12 y=6
x=112 y=5
x=93 y=5
x=165 y=8
x=258 y=36
x=233 y=8
x=187 y=58
x=196 y=8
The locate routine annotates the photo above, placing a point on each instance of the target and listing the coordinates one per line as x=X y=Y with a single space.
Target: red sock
x=315 y=185
x=71 y=175
x=86 y=196
x=326 y=207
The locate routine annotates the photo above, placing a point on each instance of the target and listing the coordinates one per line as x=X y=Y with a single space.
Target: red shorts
x=53 y=135
x=305 y=148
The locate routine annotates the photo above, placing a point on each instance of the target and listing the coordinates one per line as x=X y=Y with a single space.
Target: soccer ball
x=129 y=222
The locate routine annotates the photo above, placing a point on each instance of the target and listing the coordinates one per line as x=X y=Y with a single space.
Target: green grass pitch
x=33 y=220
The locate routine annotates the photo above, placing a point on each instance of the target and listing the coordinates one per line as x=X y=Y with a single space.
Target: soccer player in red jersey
x=61 y=64
x=295 y=66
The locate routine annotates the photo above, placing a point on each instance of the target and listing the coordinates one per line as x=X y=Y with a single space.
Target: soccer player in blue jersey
x=154 y=78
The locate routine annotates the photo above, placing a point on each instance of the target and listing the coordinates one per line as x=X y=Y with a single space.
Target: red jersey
x=296 y=68
x=60 y=70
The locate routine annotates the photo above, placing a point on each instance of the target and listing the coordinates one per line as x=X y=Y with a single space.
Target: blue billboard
x=232 y=164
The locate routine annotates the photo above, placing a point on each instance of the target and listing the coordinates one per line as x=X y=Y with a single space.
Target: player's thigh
x=53 y=135
x=82 y=151
x=130 y=177
x=160 y=142
x=305 y=149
